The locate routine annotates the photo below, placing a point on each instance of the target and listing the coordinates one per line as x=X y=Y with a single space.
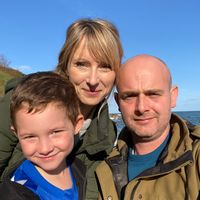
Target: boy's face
x=46 y=137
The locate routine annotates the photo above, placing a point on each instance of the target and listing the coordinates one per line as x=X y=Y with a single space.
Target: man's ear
x=79 y=123
x=116 y=95
x=174 y=95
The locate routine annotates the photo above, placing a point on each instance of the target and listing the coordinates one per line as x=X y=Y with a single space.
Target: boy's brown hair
x=37 y=90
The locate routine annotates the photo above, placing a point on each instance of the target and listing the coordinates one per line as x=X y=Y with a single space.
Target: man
x=158 y=154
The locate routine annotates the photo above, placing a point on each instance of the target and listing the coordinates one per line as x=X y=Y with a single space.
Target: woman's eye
x=105 y=67
x=80 y=64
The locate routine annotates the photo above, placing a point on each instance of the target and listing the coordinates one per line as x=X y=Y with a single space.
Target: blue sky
x=32 y=33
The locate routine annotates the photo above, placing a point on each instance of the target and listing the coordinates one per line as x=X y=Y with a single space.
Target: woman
x=90 y=58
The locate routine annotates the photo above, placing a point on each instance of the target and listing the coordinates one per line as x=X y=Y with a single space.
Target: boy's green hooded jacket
x=92 y=148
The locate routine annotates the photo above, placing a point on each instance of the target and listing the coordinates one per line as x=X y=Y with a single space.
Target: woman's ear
x=79 y=123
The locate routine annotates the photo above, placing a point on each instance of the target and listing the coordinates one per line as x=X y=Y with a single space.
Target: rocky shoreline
x=115 y=116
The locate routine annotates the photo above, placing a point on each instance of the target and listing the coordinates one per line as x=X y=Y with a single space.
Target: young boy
x=45 y=116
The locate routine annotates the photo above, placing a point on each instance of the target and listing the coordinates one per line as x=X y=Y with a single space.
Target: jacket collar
x=180 y=131
x=177 y=153
x=100 y=135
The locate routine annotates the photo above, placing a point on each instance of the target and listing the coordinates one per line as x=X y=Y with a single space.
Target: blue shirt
x=26 y=174
x=139 y=163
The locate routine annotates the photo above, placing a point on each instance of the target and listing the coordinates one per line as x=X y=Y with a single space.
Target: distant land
x=115 y=116
x=7 y=73
x=192 y=116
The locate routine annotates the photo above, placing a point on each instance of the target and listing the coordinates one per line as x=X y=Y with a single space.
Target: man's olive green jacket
x=175 y=177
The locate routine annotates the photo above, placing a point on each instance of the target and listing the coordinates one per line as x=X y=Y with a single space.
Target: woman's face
x=93 y=80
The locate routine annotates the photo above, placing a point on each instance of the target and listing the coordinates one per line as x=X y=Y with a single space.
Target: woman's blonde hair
x=101 y=38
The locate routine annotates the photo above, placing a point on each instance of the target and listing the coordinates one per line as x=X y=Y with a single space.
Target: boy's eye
x=28 y=137
x=55 y=132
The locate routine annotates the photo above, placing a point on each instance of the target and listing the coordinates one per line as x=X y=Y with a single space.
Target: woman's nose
x=93 y=77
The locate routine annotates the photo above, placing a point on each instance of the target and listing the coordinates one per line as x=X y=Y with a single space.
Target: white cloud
x=188 y=104
x=24 y=67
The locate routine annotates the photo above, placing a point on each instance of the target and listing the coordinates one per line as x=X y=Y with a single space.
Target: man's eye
x=127 y=97
x=153 y=94
x=55 y=132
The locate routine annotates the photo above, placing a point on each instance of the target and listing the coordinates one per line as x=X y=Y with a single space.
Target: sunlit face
x=146 y=98
x=93 y=80
x=46 y=137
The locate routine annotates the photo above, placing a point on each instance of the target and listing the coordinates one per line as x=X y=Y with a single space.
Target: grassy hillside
x=5 y=75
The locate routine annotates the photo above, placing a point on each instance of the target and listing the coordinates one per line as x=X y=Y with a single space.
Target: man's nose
x=142 y=103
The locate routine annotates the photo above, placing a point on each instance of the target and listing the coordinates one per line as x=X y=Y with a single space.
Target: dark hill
x=6 y=74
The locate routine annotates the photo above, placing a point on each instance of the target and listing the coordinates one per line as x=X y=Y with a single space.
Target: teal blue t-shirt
x=139 y=163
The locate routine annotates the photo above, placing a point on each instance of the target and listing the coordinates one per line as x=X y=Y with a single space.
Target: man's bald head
x=144 y=62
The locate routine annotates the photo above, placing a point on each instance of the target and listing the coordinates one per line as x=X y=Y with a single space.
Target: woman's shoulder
x=12 y=83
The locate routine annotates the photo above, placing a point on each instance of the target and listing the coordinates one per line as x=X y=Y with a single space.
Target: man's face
x=145 y=99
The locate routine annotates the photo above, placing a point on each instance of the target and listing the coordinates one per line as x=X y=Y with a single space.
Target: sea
x=192 y=116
